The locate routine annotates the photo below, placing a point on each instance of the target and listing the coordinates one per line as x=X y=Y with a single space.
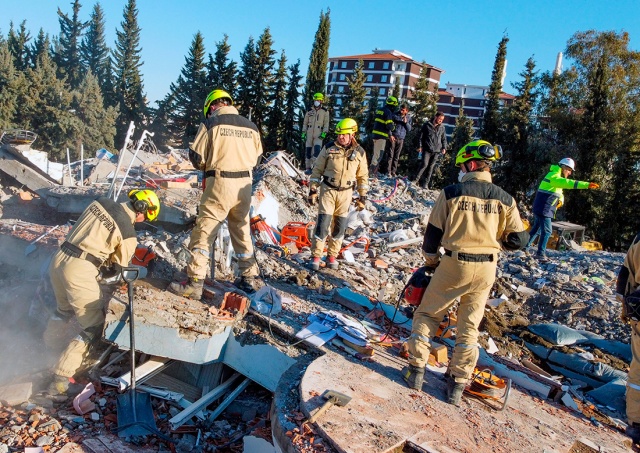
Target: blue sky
x=460 y=37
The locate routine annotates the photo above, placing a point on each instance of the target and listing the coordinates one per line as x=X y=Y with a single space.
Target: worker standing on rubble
x=314 y=130
x=339 y=169
x=227 y=147
x=627 y=293
x=383 y=127
x=549 y=198
x=103 y=237
x=472 y=220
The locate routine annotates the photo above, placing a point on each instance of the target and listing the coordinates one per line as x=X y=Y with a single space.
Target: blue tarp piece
x=617 y=348
x=612 y=395
x=557 y=334
x=573 y=376
x=596 y=370
x=538 y=350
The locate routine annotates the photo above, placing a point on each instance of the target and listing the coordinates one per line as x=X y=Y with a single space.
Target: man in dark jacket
x=433 y=144
x=403 y=123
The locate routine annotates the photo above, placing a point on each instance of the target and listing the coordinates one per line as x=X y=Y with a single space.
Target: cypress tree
x=396 y=89
x=69 y=60
x=424 y=97
x=95 y=52
x=292 y=116
x=131 y=101
x=491 y=120
x=317 y=72
x=18 y=45
x=274 y=140
x=222 y=72
x=353 y=101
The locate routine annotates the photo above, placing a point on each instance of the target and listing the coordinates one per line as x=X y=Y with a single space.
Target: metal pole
x=126 y=143
x=69 y=166
x=81 y=164
x=140 y=143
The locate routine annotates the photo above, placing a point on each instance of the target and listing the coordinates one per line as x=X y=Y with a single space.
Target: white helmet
x=568 y=162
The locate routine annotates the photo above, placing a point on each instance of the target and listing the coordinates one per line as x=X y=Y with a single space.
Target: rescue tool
x=486 y=386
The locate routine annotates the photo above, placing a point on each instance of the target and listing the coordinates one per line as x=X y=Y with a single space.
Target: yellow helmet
x=346 y=126
x=318 y=97
x=145 y=201
x=214 y=96
x=478 y=150
x=392 y=100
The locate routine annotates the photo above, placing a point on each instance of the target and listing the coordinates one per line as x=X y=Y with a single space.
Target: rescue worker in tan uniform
x=472 y=220
x=314 y=130
x=227 y=147
x=103 y=236
x=339 y=169
x=626 y=288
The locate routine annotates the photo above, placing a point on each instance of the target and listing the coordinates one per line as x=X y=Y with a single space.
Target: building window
x=339 y=101
x=369 y=78
x=400 y=67
x=385 y=65
x=368 y=90
x=343 y=64
x=383 y=91
x=372 y=65
x=383 y=79
x=340 y=89
x=342 y=76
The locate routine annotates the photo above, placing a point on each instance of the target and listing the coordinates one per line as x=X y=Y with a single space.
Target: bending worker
x=314 y=130
x=473 y=220
x=102 y=236
x=627 y=292
x=339 y=169
x=227 y=147
x=549 y=198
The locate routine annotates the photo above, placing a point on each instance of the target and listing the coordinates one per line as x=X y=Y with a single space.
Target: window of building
x=339 y=101
x=369 y=78
x=381 y=103
x=368 y=90
x=343 y=64
x=372 y=65
x=383 y=91
x=383 y=79
x=340 y=89
x=343 y=77
x=385 y=65
x=400 y=67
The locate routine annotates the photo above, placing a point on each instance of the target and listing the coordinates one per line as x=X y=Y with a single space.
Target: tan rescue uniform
x=74 y=279
x=472 y=225
x=227 y=142
x=316 y=121
x=337 y=171
x=632 y=262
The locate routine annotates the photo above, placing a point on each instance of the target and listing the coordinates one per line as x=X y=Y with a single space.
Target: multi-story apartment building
x=381 y=68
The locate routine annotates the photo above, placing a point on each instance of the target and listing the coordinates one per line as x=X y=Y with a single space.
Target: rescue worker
x=314 y=130
x=227 y=147
x=383 y=126
x=629 y=282
x=472 y=220
x=340 y=167
x=549 y=198
x=103 y=236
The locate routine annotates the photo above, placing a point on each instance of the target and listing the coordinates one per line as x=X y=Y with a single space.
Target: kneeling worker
x=103 y=236
x=472 y=220
x=339 y=168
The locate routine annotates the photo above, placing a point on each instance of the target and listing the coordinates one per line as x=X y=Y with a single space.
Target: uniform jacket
x=383 y=124
x=432 y=138
x=341 y=168
x=226 y=141
x=105 y=230
x=550 y=192
x=316 y=121
x=403 y=125
x=474 y=216
x=629 y=274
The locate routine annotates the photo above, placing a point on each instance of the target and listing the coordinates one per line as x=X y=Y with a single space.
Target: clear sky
x=460 y=37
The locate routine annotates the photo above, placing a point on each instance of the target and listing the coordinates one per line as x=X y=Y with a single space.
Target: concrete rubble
x=574 y=290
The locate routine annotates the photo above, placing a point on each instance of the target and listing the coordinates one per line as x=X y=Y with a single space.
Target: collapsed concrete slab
x=22 y=171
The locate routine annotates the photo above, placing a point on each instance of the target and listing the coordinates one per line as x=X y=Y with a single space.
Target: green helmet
x=214 y=96
x=478 y=150
x=392 y=100
x=318 y=97
x=346 y=126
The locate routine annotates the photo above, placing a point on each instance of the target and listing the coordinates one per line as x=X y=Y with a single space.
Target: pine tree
x=274 y=139
x=69 y=60
x=95 y=52
x=41 y=45
x=462 y=134
x=491 y=119
x=131 y=101
x=98 y=123
x=353 y=102
x=317 y=72
x=264 y=82
x=246 y=77
x=18 y=45
x=161 y=125
x=396 y=89
x=292 y=116
x=188 y=94
x=222 y=72
x=10 y=83
x=424 y=97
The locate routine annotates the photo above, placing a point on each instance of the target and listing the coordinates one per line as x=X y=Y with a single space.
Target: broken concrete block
x=352 y=300
x=15 y=394
x=584 y=445
x=526 y=291
x=568 y=401
x=380 y=264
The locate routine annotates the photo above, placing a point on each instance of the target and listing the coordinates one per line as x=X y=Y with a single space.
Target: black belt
x=339 y=189
x=76 y=252
x=226 y=174
x=472 y=257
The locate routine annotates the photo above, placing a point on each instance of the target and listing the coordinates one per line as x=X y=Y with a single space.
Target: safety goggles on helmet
x=478 y=150
x=346 y=126
x=392 y=100
x=146 y=202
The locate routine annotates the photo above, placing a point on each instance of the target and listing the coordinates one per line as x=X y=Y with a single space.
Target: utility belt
x=471 y=257
x=227 y=174
x=76 y=252
x=339 y=189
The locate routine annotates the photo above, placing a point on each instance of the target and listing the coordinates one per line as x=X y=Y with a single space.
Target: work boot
x=249 y=284
x=413 y=376
x=332 y=262
x=542 y=257
x=315 y=263
x=192 y=288
x=633 y=431
x=454 y=390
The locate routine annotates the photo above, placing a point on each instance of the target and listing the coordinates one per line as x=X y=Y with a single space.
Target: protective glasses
x=489 y=152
